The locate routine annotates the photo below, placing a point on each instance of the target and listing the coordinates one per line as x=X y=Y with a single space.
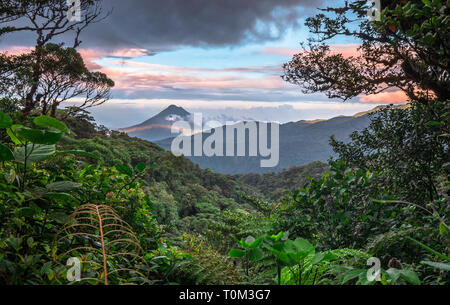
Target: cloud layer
x=161 y=24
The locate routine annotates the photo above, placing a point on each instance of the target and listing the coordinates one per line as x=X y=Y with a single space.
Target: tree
x=63 y=76
x=408 y=155
x=407 y=49
x=48 y=19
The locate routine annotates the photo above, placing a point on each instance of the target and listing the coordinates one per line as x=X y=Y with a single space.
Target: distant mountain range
x=301 y=142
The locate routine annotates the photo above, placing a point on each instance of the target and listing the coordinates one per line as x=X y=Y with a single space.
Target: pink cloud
x=346 y=50
x=89 y=55
x=148 y=79
x=393 y=97
x=16 y=50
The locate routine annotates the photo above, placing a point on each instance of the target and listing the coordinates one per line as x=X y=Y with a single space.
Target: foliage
x=405 y=49
x=401 y=147
x=336 y=210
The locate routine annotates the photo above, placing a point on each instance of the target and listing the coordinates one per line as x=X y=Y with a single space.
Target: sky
x=222 y=58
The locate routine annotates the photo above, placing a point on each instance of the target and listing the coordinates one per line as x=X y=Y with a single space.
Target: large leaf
x=11 y=133
x=352 y=274
x=5 y=120
x=5 y=153
x=303 y=245
x=63 y=186
x=255 y=255
x=236 y=253
x=46 y=121
x=60 y=196
x=27 y=212
x=36 y=153
x=441 y=266
x=37 y=136
x=410 y=276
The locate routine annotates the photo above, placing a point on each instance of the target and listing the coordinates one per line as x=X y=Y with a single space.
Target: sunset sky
x=221 y=58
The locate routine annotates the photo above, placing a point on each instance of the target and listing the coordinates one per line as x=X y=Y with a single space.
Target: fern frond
x=106 y=245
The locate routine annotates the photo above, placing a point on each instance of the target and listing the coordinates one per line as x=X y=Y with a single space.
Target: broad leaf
x=46 y=121
x=5 y=153
x=27 y=212
x=37 y=136
x=36 y=153
x=59 y=196
x=441 y=266
x=5 y=120
x=11 y=133
x=303 y=245
x=236 y=253
x=255 y=255
x=410 y=276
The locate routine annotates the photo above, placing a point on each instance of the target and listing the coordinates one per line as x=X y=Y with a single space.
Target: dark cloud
x=165 y=24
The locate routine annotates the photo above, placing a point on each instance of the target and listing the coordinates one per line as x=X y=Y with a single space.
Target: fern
x=107 y=246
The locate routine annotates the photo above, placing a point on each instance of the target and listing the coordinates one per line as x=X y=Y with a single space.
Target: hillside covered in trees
x=125 y=211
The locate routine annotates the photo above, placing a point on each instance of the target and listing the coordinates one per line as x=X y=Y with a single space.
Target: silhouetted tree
x=408 y=49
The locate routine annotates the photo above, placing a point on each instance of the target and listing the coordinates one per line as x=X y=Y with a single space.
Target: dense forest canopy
x=65 y=182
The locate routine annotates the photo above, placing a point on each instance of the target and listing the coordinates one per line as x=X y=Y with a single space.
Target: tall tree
x=50 y=20
x=63 y=77
x=407 y=49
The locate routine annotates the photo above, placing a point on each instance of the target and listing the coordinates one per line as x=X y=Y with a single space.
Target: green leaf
x=236 y=253
x=255 y=255
x=441 y=266
x=410 y=276
x=255 y=243
x=36 y=153
x=37 y=136
x=27 y=212
x=5 y=120
x=5 y=153
x=59 y=196
x=318 y=258
x=123 y=169
x=352 y=274
x=63 y=186
x=394 y=274
x=434 y=123
x=303 y=245
x=443 y=228
x=429 y=249
x=11 y=133
x=46 y=121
